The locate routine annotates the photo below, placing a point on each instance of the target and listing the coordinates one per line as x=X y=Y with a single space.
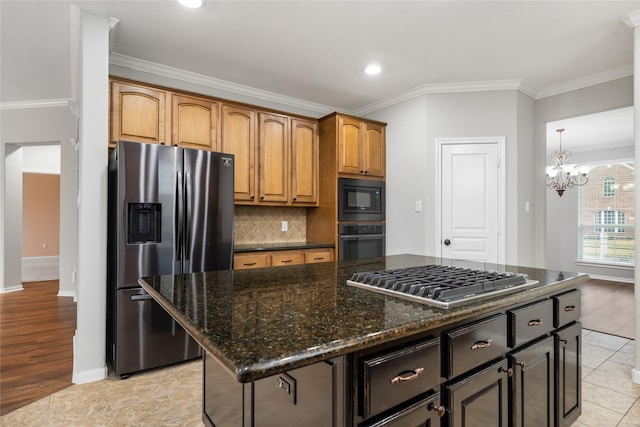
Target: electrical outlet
x=44 y=246
x=285 y=225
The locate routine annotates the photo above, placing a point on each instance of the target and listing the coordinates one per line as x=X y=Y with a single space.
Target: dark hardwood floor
x=608 y=307
x=36 y=344
x=37 y=327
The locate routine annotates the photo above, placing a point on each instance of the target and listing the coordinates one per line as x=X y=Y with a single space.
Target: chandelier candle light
x=561 y=176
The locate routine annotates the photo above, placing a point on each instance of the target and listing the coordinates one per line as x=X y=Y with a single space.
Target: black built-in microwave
x=360 y=200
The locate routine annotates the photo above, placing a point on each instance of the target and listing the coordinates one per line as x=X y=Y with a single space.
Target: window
x=607 y=215
x=608 y=187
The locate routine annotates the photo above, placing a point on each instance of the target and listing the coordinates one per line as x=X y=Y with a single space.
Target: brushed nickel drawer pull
x=481 y=344
x=400 y=379
x=563 y=340
x=535 y=322
x=249 y=264
x=286 y=260
x=570 y=308
x=318 y=258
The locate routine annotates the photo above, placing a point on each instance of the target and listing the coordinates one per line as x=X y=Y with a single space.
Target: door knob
x=447 y=242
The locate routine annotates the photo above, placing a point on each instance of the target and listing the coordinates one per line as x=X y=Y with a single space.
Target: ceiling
x=316 y=50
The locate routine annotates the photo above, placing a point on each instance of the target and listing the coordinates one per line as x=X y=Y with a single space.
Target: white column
x=633 y=20
x=89 y=342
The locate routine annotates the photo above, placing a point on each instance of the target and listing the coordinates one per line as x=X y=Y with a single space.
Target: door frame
x=500 y=142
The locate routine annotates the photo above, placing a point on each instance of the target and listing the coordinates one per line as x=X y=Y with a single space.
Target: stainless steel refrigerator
x=170 y=212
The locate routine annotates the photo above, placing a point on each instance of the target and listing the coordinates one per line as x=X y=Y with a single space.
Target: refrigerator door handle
x=189 y=214
x=141 y=297
x=178 y=214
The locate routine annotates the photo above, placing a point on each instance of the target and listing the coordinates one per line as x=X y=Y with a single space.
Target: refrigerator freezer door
x=148 y=183
x=209 y=211
x=152 y=338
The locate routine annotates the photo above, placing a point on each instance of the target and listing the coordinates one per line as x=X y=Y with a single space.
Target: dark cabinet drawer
x=530 y=322
x=425 y=412
x=393 y=377
x=474 y=344
x=566 y=308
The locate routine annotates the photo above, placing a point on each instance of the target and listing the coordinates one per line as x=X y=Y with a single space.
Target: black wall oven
x=357 y=241
x=360 y=200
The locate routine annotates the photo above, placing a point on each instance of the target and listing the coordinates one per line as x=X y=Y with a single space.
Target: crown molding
x=199 y=79
x=587 y=81
x=632 y=19
x=428 y=89
x=38 y=103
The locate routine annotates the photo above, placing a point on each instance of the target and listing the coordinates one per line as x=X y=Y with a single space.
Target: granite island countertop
x=265 y=321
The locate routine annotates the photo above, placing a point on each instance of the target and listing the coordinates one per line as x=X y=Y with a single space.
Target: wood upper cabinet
x=273 y=155
x=374 y=149
x=194 y=122
x=137 y=113
x=304 y=162
x=239 y=139
x=361 y=147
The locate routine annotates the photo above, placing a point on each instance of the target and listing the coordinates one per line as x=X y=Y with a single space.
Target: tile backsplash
x=263 y=224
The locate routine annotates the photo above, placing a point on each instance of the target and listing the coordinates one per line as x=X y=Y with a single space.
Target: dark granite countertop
x=282 y=246
x=265 y=321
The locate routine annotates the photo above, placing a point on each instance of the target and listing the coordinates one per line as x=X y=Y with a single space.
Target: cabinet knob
x=261 y=197
x=440 y=410
x=508 y=371
x=253 y=197
x=294 y=199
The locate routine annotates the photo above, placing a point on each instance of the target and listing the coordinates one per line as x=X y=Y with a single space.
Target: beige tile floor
x=173 y=396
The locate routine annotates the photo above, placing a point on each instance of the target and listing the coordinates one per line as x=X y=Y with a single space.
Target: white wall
x=406 y=182
x=411 y=162
x=556 y=218
x=89 y=342
x=36 y=126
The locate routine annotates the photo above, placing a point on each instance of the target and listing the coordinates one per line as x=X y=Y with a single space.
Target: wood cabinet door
x=239 y=139
x=349 y=145
x=273 y=168
x=304 y=162
x=569 y=374
x=532 y=385
x=194 y=122
x=137 y=113
x=481 y=399
x=374 y=150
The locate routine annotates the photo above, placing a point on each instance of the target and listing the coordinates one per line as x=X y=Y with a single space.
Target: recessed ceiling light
x=194 y=4
x=372 y=69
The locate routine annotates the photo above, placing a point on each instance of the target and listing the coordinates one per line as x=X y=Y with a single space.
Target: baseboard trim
x=11 y=289
x=89 y=376
x=67 y=294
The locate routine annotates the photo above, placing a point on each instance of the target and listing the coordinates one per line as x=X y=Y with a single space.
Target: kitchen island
x=280 y=342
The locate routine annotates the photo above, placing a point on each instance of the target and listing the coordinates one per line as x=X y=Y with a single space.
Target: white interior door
x=470 y=200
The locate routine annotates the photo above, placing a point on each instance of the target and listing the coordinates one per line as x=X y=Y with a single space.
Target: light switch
x=285 y=225
x=526 y=206
x=419 y=206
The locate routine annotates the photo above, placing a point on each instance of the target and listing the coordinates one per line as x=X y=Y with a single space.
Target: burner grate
x=440 y=285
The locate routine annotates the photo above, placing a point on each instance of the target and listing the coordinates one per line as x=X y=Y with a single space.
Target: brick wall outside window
x=607 y=214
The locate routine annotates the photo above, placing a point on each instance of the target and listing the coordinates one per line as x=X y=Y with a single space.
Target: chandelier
x=561 y=176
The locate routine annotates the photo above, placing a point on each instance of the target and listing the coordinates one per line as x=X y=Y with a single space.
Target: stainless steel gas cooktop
x=440 y=285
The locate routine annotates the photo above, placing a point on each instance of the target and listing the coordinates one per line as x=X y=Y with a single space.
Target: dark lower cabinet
x=423 y=413
x=532 y=385
x=568 y=343
x=480 y=399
